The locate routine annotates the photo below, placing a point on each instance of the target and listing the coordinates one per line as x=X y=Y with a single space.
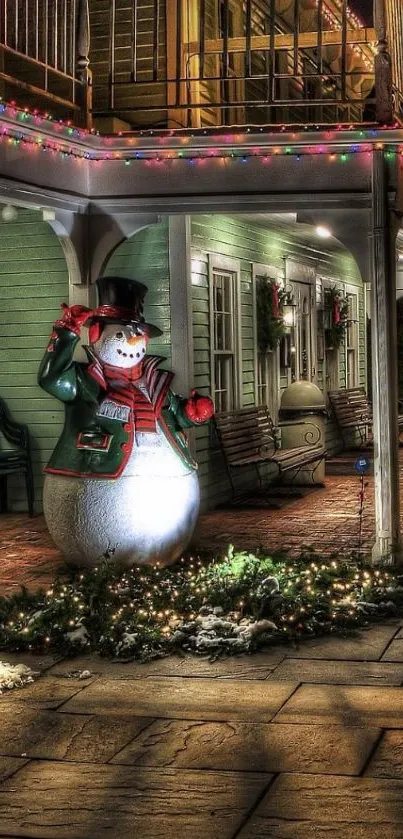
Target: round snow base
x=130 y=520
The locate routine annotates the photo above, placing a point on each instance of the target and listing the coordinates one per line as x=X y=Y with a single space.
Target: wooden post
x=383 y=67
x=384 y=370
x=82 y=60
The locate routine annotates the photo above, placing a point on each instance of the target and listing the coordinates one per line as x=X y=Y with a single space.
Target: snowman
x=121 y=483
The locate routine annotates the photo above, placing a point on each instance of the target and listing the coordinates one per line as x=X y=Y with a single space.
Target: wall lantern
x=289 y=313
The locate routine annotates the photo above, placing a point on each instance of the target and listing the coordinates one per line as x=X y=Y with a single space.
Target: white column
x=180 y=279
x=384 y=370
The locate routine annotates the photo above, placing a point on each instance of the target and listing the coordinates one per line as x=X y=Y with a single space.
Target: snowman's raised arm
x=196 y=410
x=58 y=373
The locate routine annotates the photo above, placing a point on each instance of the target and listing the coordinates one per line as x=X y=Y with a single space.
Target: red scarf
x=122 y=388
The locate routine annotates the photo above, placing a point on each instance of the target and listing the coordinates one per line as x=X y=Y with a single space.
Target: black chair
x=15 y=460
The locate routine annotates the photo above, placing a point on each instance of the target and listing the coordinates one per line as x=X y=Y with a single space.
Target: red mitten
x=73 y=317
x=198 y=408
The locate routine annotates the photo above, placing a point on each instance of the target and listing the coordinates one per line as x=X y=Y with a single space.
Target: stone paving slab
x=251 y=747
x=368 y=645
x=319 y=806
x=344 y=705
x=257 y=666
x=183 y=699
x=338 y=672
x=45 y=692
x=31 y=733
x=395 y=650
x=387 y=762
x=87 y=801
x=9 y=765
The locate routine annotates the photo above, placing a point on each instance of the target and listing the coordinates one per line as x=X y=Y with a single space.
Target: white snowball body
x=146 y=516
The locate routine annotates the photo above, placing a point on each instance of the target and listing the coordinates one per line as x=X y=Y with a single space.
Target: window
x=262 y=379
x=352 y=341
x=223 y=339
x=332 y=360
x=266 y=364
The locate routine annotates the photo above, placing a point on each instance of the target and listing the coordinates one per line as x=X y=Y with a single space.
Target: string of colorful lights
x=30 y=130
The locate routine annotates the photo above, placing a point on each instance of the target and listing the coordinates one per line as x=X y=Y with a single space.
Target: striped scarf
x=122 y=389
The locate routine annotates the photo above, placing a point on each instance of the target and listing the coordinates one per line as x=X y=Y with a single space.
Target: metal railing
x=43 y=52
x=195 y=63
x=181 y=62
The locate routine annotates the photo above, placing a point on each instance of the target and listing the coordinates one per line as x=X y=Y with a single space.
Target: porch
x=324 y=518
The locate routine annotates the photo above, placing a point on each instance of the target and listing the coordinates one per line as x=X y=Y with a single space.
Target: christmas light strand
x=199 y=156
x=21 y=129
x=232 y=604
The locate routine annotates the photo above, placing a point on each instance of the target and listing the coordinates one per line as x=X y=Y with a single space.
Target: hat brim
x=149 y=328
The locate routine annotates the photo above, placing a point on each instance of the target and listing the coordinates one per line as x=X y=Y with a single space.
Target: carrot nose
x=135 y=339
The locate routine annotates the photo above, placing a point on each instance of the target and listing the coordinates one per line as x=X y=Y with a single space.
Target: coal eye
x=120 y=335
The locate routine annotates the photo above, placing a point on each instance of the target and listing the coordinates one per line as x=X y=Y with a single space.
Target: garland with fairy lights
x=270 y=297
x=337 y=311
x=234 y=604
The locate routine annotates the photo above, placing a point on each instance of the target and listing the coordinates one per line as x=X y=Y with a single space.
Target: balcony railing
x=196 y=63
x=181 y=62
x=43 y=49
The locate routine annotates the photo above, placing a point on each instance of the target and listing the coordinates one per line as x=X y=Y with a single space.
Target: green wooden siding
x=145 y=258
x=253 y=244
x=33 y=283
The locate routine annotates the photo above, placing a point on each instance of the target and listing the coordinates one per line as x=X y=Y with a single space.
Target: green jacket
x=94 y=446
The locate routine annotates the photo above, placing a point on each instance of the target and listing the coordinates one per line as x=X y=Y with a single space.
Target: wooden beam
x=306 y=40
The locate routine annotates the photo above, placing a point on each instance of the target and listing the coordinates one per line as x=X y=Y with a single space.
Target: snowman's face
x=121 y=345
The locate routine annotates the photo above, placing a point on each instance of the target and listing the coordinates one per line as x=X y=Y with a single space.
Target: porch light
x=323 y=232
x=289 y=313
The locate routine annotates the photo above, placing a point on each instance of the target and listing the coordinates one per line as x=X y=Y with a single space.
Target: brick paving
x=292 y=743
x=325 y=518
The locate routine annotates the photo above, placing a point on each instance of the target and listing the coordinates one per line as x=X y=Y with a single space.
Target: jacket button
x=127 y=427
x=125 y=447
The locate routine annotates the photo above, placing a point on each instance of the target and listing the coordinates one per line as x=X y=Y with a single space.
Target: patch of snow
x=15 y=676
x=78 y=635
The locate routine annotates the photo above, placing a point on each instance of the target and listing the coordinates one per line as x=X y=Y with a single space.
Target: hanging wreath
x=270 y=297
x=337 y=317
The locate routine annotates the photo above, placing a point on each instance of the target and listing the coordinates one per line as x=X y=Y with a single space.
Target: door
x=302 y=361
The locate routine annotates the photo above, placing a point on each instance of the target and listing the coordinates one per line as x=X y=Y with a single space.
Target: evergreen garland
x=334 y=334
x=270 y=325
x=232 y=604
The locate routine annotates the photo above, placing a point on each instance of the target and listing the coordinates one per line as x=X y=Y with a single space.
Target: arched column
x=89 y=238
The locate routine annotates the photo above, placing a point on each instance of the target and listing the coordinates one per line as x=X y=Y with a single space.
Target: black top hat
x=121 y=301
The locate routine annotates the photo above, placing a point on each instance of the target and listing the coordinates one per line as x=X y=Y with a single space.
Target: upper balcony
x=140 y=64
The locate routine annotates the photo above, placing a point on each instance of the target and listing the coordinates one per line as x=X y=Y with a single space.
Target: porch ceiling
x=287 y=222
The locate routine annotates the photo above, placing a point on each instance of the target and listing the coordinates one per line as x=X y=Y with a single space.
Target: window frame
x=226 y=265
x=353 y=291
x=272 y=370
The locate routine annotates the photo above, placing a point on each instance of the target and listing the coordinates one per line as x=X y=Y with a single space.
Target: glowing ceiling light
x=322 y=232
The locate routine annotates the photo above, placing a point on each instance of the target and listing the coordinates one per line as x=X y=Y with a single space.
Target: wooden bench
x=353 y=412
x=17 y=459
x=247 y=437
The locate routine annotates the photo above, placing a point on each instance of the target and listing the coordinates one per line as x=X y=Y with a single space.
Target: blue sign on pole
x=362 y=464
